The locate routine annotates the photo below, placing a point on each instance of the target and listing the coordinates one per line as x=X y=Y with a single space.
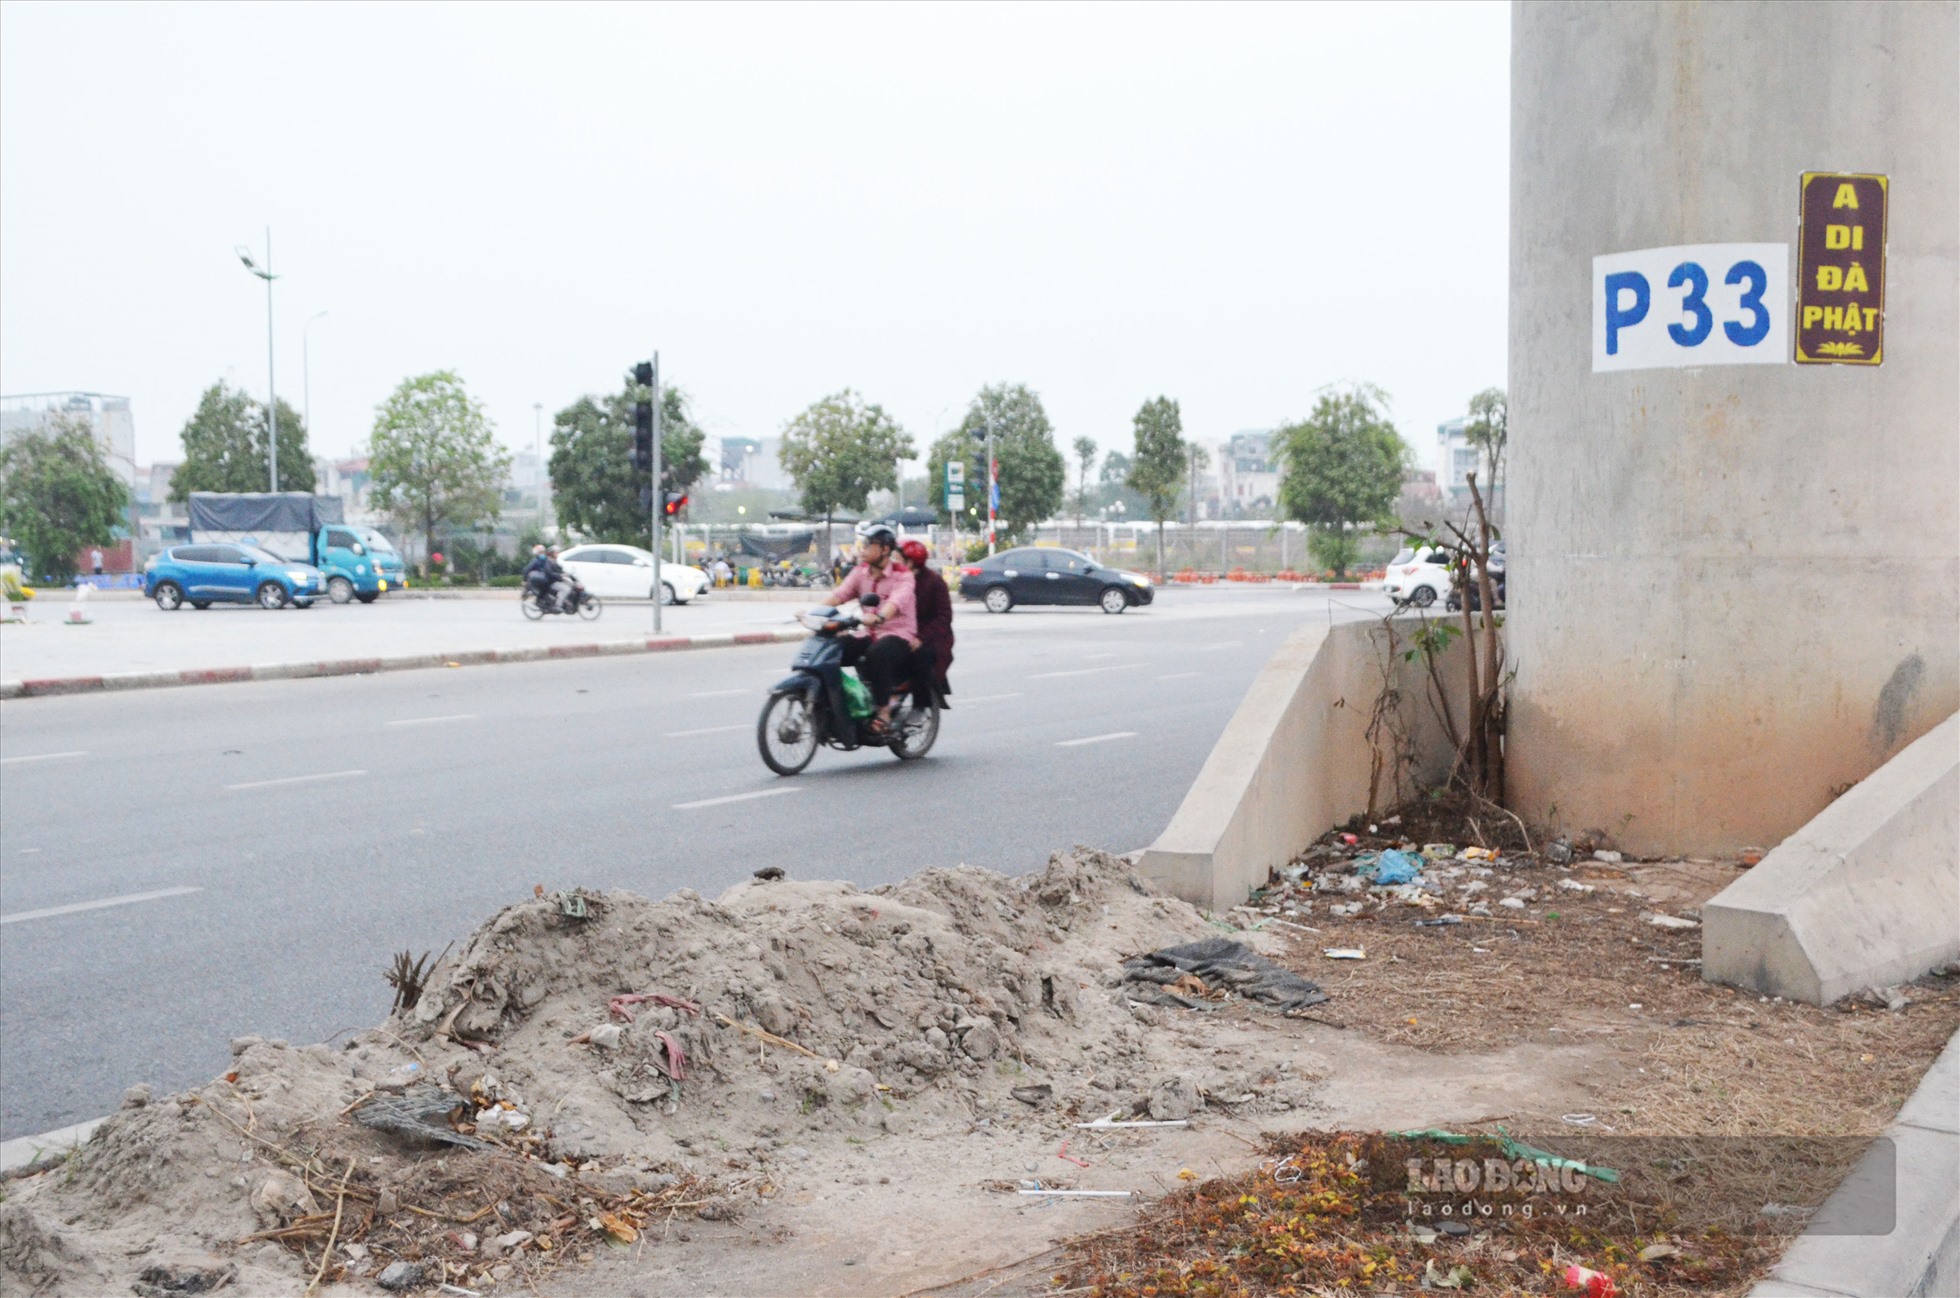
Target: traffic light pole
x=659 y=497
x=990 y=484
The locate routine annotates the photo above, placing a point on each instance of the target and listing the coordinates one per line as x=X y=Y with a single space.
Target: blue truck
x=359 y=563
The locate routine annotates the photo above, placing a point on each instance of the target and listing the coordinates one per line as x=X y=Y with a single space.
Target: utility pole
x=271 y=385
x=659 y=496
x=993 y=485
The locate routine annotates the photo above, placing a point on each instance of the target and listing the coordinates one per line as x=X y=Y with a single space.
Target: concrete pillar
x=1734 y=589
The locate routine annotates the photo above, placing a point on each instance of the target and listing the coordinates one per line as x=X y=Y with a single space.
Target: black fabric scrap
x=1224 y=963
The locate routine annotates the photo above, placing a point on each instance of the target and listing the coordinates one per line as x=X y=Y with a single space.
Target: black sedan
x=1050 y=576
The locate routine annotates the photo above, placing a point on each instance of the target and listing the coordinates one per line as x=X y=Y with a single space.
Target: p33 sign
x=1700 y=304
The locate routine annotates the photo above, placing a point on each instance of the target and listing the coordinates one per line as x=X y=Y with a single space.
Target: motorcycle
x=823 y=704
x=537 y=603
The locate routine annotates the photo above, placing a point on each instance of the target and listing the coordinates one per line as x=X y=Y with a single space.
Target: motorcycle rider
x=537 y=573
x=892 y=629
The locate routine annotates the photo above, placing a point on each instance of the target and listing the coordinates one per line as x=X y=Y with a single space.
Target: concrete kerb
x=54 y=686
x=1921 y=1253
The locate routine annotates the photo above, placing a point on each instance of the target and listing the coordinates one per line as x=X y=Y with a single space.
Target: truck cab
x=360 y=563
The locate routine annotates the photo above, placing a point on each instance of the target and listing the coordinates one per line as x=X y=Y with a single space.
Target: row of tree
x=436 y=466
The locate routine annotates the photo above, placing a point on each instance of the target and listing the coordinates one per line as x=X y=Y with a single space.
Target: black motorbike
x=821 y=704
x=537 y=601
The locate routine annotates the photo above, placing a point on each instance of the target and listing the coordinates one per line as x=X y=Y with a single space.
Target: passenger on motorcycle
x=933 y=604
x=883 y=655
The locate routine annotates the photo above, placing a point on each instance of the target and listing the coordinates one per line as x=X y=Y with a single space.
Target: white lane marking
x=1084 y=671
x=1097 y=739
x=429 y=721
x=992 y=698
x=1180 y=676
x=29 y=851
x=42 y=757
x=296 y=779
x=715 y=694
x=129 y=899
x=738 y=797
x=705 y=730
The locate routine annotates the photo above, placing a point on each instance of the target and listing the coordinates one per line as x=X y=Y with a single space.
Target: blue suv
x=203 y=575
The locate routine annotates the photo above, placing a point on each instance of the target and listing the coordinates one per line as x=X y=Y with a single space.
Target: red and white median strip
x=48 y=686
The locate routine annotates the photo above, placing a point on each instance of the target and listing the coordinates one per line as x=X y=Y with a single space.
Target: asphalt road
x=304 y=831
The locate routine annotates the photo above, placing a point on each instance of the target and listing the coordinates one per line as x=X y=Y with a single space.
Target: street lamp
x=271 y=388
x=537 y=449
x=305 y=377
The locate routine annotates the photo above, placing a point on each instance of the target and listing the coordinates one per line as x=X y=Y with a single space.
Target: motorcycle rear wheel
x=914 y=731
x=786 y=733
x=528 y=601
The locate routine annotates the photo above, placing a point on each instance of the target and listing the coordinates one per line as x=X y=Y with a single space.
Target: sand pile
x=626 y=1059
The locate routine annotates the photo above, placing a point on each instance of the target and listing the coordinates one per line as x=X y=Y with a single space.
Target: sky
x=1234 y=206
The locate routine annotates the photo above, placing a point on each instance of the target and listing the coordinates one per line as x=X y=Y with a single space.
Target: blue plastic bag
x=1396 y=867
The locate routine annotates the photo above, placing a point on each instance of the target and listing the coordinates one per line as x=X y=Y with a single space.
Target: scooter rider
x=885 y=652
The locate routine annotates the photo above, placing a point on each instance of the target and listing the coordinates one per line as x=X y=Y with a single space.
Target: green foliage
x=1333 y=548
x=594 y=487
x=1341 y=469
x=434 y=458
x=1489 y=429
x=1033 y=475
x=1161 y=465
x=1114 y=488
x=1159 y=469
x=1085 y=455
x=225 y=446
x=840 y=450
x=58 y=494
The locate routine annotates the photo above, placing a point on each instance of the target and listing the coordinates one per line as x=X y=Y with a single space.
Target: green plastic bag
x=857 y=699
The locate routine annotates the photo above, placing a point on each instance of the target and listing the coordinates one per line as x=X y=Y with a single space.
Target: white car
x=1418 y=576
x=626 y=572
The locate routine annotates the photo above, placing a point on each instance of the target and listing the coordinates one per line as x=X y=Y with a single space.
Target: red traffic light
x=673 y=503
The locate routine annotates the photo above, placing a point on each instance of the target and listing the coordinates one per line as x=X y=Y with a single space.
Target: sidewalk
x=131 y=644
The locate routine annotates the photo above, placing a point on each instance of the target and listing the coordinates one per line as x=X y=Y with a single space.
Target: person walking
x=95 y=561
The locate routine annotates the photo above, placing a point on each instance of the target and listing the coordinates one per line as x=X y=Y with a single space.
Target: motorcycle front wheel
x=588 y=608
x=786 y=733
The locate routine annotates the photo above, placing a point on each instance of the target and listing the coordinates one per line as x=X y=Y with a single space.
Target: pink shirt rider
x=893 y=588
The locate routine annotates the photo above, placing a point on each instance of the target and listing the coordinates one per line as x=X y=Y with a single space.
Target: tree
x=1340 y=468
x=225 y=446
x=1033 y=475
x=58 y=494
x=1488 y=429
x=1085 y=455
x=839 y=451
x=1158 y=470
x=434 y=457
x=594 y=486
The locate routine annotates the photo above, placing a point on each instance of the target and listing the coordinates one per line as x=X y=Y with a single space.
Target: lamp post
x=537 y=449
x=271 y=387
x=306 y=376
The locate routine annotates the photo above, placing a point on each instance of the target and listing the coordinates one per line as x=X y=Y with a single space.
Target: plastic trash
x=1439 y=851
x=1345 y=953
x=1394 y=867
x=1593 y=1282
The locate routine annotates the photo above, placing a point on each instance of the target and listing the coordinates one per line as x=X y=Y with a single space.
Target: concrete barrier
x=1296 y=758
x=1866 y=894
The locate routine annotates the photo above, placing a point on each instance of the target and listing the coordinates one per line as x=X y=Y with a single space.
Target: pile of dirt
x=591 y=1067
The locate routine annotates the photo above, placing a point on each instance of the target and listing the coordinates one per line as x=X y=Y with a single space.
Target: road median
x=53 y=686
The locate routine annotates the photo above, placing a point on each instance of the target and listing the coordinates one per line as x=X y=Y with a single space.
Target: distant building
x=1455 y=457
x=352 y=480
x=1248 y=481
x=748 y=462
x=160 y=521
x=108 y=417
x=1419 y=487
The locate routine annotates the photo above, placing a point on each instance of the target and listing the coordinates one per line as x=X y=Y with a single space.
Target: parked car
x=1051 y=576
x=1418 y=575
x=203 y=575
x=626 y=572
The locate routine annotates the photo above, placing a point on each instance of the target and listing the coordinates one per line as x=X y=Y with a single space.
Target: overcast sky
x=1232 y=206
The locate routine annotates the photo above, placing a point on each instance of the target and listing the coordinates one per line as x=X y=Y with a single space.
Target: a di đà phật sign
x=1841 y=269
